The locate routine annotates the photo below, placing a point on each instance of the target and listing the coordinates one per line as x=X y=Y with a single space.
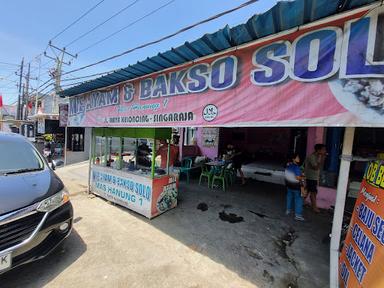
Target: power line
x=72 y=84
x=165 y=37
x=77 y=20
x=47 y=83
x=7 y=80
x=102 y=23
x=127 y=26
x=10 y=64
x=88 y=76
x=49 y=80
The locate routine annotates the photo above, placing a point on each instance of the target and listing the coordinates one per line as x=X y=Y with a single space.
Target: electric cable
x=102 y=23
x=127 y=26
x=77 y=20
x=164 y=38
x=88 y=76
x=10 y=64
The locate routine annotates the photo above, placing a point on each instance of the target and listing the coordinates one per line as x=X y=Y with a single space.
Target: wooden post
x=168 y=154
x=153 y=158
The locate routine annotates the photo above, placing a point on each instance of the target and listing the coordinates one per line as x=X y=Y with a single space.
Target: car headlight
x=53 y=202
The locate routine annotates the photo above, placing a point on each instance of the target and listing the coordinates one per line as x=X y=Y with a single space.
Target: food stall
x=129 y=169
x=321 y=70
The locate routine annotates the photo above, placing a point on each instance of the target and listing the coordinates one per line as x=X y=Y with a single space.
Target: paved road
x=112 y=247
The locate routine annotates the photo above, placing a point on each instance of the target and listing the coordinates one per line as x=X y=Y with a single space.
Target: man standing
x=163 y=152
x=313 y=164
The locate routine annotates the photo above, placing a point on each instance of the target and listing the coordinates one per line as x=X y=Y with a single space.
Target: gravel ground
x=185 y=247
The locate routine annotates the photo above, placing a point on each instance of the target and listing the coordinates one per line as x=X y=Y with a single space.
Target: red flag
x=1 y=101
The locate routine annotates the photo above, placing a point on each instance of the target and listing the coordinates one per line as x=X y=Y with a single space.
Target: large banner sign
x=328 y=73
x=362 y=258
x=128 y=190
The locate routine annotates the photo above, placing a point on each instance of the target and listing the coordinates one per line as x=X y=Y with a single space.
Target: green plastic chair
x=220 y=177
x=206 y=172
x=186 y=167
x=230 y=174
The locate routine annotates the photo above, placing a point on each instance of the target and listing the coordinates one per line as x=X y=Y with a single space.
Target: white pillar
x=92 y=152
x=65 y=144
x=342 y=186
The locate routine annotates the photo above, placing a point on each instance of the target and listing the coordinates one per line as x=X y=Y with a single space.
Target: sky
x=27 y=27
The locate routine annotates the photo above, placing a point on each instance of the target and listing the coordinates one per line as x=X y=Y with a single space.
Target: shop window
x=76 y=139
x=189 y=136
x=162 y=154
x=77 y=142
x=129 y=153
x=144 y=153
x=113 y=152
x=99 y=152
x=368 y=144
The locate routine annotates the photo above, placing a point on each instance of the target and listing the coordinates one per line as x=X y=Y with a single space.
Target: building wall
x=80 y=156
x=315 y=135
x=326 y=197
x=210 y=152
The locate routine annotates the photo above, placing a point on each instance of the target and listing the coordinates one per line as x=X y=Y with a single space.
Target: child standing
x=293 y=180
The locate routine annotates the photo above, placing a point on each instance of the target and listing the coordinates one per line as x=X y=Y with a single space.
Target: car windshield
x=18 y=157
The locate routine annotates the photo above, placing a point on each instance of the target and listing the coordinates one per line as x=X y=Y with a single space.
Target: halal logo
x=210 y=112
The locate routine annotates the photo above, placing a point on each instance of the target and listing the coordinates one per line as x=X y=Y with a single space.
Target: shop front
x=311 y=84
x=130 y=167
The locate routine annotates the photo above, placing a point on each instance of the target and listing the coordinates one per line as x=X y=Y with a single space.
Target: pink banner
x=326 y=74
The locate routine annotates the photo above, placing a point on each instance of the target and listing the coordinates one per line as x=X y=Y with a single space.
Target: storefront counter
x=125 y=169
x=140 y=193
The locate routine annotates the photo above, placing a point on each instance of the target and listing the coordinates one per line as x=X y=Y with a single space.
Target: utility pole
x=26 y=95
x=19 y=97
x=59 y=59
x=37 y=85
x=22 y=102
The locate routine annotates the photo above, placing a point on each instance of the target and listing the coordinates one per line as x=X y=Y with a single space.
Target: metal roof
x=283 y=16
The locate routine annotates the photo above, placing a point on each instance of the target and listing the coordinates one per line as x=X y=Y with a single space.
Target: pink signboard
x=329 y=73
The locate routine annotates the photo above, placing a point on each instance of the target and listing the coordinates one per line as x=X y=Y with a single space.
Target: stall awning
x=329 y=72
x=283 y=16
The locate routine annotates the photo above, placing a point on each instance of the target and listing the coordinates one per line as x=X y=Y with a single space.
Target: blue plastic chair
x=186 y=167
x=219 y=176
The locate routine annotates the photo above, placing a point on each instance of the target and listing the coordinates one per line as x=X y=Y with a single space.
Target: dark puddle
x=202 y=206
x=261 y=215
x=286 y=240
x=231 y=217
x=292 y=285
x=77 y=219
x=268 y=276
x=253 y=253
x=258 y=214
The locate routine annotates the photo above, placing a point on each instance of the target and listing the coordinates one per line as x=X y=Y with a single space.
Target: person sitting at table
x=235 y=156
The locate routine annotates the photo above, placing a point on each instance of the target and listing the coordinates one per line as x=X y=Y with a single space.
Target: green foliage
x=48 y=137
